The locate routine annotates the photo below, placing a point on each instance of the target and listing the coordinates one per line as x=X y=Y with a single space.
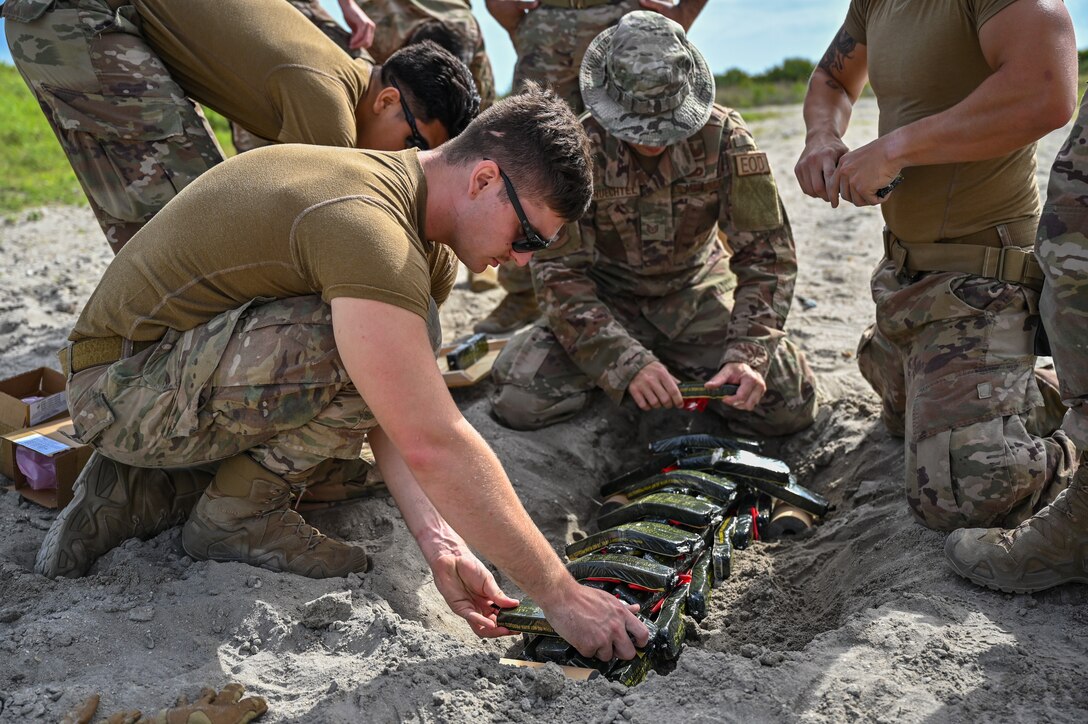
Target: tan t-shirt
x=262 y=64
x=924 y=57
x=276 y=222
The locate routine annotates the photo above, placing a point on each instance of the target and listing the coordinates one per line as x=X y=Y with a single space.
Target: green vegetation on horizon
x=783 y=84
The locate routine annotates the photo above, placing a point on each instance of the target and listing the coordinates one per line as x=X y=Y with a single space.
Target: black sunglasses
x=416 y=140
x=532 y=241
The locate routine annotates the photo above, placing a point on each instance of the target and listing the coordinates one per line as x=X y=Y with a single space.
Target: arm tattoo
x=837 y=54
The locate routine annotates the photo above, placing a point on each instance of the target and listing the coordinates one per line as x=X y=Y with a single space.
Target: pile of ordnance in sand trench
x=667 y=534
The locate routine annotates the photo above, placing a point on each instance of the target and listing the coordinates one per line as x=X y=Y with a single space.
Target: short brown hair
x=538 y=143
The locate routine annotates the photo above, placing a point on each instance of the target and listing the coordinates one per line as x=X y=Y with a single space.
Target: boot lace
x=1043 y=520
x=290 y=519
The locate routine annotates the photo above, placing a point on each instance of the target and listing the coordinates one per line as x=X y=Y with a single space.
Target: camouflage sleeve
x=764 y=259
x=595 y=340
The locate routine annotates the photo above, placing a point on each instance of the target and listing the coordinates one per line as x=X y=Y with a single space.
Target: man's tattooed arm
x=837 y=54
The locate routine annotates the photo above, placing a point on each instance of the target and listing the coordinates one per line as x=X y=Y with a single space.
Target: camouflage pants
x=396 y=20
x=550 y=44
x=134 y=140
x=537 y=383
x=952 y=358
x=1062 y=249
x=264 y=379
x=242 y=139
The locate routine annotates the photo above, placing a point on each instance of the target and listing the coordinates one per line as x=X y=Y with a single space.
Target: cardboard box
x=67 y=454
x=42 y=382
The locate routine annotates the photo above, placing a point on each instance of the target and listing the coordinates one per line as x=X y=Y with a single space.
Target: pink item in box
x=39 y=469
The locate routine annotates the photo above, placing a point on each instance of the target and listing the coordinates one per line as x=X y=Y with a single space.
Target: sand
x=858 y=619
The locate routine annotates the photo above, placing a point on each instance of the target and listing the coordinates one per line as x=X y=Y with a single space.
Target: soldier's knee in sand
x=882 y=367
x=991 y=472
x=522 y=409
x=536 y=383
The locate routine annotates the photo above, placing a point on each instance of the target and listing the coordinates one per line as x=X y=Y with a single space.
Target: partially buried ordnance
x=655 y=538
x=672 y=543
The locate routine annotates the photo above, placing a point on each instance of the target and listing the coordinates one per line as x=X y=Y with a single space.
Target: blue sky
x=749 y=34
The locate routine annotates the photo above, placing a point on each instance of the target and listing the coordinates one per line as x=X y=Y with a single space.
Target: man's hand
x=817 y=165
x=362 y=27
x=683 y=12
x=654 y=387
x=471 y=591
x=596 y=623
x=750 y=385
x=861 y=173
x=509 y=13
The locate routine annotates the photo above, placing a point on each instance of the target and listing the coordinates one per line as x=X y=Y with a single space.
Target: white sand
x=860 y=619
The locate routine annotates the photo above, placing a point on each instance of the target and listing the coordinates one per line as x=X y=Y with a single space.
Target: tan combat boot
x=1046 y=550
x=485 y=281
x=245 y=516
x=514 y=311
x=112 y=503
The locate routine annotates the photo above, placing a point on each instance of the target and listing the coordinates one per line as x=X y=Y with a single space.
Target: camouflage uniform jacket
x=652 y=242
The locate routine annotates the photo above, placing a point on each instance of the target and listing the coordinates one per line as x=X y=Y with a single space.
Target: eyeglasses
x=416 y=140
x=532 y=241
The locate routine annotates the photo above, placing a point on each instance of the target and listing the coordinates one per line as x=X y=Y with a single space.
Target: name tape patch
x=605 y=193
x=751 y=164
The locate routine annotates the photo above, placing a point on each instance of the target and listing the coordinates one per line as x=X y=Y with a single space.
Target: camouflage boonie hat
x=645 y=83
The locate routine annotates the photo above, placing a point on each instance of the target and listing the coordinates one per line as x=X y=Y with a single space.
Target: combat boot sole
x=112 y=503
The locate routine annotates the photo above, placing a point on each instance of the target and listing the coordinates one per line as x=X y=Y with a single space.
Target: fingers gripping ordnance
x=673 y=542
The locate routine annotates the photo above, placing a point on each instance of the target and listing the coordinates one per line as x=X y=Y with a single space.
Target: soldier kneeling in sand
x=643 y=292
x=281 y=312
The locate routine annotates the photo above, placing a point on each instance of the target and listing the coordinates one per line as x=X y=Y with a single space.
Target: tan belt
x=1004 y=252
x=87 y=353
x=577 y=4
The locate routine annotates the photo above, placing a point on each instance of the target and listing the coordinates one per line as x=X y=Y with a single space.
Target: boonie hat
x=645 y=83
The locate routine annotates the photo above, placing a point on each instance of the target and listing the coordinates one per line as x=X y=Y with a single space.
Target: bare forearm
x=827 y=108
x=1005 y=113
x=431 y=531
x=464 y=480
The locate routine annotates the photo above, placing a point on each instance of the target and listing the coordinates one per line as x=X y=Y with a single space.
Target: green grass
x=760 y=93
x=33 y=169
